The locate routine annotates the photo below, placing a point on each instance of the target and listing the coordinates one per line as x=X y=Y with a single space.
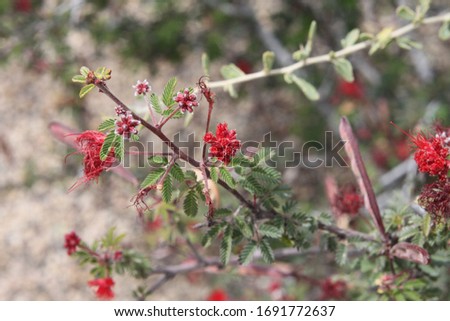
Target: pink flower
x=89 y=144
x=218 y=295
x=71 y=242
x=141 y=88
x=224 y=144
x=186 y=100
x=104 y=290
x=126 y=125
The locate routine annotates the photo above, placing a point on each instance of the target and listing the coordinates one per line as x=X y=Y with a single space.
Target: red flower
x=104 y=290
x=155 y=224
x=118 y=256
x=348 y=200
x=141 y=88
x=23 y=5
x=224 y=145
x=435 y=199
x=186 y=100
x=90 y=143
x=218 y=295
x=71 y=242
x=333 y=289
x=431 y=155
x=126 y=125
x=350 y=89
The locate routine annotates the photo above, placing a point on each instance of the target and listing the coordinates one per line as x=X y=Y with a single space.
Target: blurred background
x=44 y=43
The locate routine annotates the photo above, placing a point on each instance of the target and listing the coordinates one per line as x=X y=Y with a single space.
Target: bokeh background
x=43 y=44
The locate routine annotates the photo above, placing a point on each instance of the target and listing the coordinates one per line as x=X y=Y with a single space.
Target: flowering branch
x=327 y=57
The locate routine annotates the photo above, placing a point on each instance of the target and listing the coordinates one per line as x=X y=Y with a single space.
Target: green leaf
x=344 y=68
x=103 y=73
x=84 y=71
x=107 y=124
x=167 y=189
x=268 y=59
x=244 y=227
x=212 y=234
x=231 y=71
x=266 y=251
x=222 y=212
x=226 y=176
x=341 y=254
x=169 y=92
x=214 y=174
x=412 y=295
x=177 y=173
x=426 y=225
x=156 y=103
x=190 y=205
x=119 y=148
x=406 y=13
x=408 y=44
x=206 y=63
x=153 y=177
x=270 y=231
x=108 y=145
x=351 y=38
x=311 y=33
x=307 y=89
x=79 y=78
x=231 y=90
x=268 y=174
x=407 y=232
x=252 y=185
x=225 y=245
x=444 y=31
x=157 y=161
x=247 y=252
x=414 y=284
x=86 y=89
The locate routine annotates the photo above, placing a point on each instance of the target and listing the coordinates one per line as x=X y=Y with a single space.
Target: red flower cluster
x=71 y=242
x=141 y=88
x=218 y=295
x=333 y=290
x=431 y=155
x=23 y=5
x=126 y=125
x=224 y=144
x=186 y=100
x=90 y=143
x=348 y=200
x=104 y=290
x=435 y=199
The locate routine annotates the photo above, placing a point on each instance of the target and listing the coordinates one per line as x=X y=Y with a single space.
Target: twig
x=326 y=57
x=161 y=124
x=346 y=233
x=163 y=280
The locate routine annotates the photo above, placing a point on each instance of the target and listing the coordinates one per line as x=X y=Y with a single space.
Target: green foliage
x=308 y=89
x=190 y=203
x=156 y=103
x=86 y=89
x=169 y=92
x=106 y=125
x=113 y=143
x=344 y=68
x=177 y=173
x=111 y=239
x=351 y=38
x=153 y=177
x=212 y=233
x=226 y=176
x=225 y=245
x=266 y=251
x=247 y=252
x=268 y=58
x=167 y=188
x=231 y=71
x=444 y=31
